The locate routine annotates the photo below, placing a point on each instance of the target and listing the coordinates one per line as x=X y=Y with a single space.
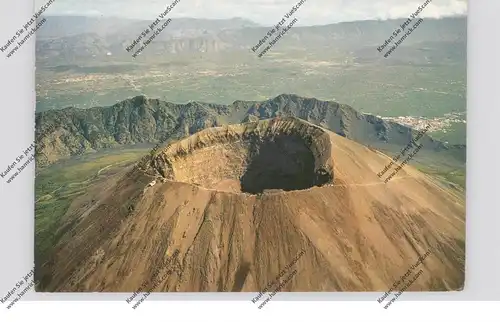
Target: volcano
x=229 y=208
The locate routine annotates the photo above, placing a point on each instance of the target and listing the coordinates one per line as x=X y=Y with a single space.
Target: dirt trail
x=357 y=232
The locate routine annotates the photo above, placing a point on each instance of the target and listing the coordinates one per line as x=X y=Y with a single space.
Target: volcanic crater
x=280 y=154
x=358 y=234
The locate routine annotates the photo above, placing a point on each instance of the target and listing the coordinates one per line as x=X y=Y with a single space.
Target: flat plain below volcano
x=240 y=202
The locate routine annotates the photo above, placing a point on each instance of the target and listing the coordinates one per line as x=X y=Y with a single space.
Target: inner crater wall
x=287 y=154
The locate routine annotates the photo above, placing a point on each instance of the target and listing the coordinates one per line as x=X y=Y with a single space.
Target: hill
x=228 y=208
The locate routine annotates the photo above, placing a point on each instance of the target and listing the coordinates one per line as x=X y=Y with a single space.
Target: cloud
x=262 y=11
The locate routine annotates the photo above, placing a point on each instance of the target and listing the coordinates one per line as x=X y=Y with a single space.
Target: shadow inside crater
x=282 y=162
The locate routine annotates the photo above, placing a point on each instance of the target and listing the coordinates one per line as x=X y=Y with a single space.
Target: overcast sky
x=312 y=12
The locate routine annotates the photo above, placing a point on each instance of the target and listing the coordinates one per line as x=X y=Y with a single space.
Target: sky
x=266 y=12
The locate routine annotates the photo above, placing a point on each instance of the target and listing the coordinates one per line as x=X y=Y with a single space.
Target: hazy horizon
x=242 y=18
x=263 y=12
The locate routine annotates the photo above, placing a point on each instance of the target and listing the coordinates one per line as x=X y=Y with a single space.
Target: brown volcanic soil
x=240 y=202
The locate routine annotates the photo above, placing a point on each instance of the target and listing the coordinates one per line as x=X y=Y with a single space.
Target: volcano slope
x=240 y=202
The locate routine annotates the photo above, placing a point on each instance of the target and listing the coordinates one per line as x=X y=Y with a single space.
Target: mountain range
x=73 y=39
x=71 y=131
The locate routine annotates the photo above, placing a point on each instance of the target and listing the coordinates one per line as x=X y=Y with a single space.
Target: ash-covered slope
x=356 y=232
x=71 y=131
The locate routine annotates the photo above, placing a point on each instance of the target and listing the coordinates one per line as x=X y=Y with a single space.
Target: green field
x=57 y=186
x=450 y=177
